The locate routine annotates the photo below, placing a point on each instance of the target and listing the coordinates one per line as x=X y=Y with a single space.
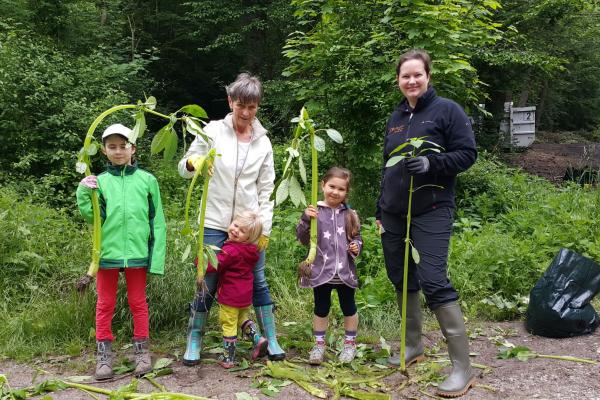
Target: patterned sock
x=319 y=337
x=350 y=337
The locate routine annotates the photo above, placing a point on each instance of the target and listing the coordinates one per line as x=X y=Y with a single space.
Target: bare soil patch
x=536 y=378
x=551 y=160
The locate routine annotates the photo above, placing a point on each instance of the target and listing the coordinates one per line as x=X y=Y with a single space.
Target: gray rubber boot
x=414 y=322
x=461 y=377
x=143 y=363
x=104 y=360
x=195 y=330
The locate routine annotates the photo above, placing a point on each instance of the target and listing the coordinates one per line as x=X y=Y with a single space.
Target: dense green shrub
x=509 y=226
x=49 y=98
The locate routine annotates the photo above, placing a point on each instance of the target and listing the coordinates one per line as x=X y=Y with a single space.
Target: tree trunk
x=103 y=13
x=540 y=107
x=524 y=96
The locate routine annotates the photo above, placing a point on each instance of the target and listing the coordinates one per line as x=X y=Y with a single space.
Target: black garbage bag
x=559 y=303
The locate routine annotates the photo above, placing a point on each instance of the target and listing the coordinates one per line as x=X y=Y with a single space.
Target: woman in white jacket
x=243 y=180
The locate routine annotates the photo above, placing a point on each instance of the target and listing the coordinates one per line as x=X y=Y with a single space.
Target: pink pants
x=106 y=285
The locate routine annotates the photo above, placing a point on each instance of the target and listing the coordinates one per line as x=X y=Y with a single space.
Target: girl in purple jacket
x=338 y=244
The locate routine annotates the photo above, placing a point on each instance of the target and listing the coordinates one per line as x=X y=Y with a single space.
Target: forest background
x=64 y=62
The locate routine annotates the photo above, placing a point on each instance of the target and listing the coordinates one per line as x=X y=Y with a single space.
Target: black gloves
x=417 y=165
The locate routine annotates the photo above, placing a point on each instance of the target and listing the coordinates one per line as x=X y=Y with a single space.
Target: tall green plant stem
x=201 y=267
x=312 y=252
x=97 y=229
x=405 y=280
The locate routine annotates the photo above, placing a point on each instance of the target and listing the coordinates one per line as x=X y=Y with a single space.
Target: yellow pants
x=231 y=318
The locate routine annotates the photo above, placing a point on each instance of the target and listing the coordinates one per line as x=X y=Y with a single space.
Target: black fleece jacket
x=443 y=122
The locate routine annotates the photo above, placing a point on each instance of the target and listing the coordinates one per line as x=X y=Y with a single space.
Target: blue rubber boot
x=266 y=321
x=195 y=331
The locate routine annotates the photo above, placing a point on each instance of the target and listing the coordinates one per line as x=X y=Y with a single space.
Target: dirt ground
x=551 y=160
x=537 y=378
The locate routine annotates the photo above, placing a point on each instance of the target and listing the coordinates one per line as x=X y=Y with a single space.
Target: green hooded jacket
x=133 y=223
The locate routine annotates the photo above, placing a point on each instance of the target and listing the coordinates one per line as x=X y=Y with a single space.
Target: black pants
x=323 y=299
x=430 y=234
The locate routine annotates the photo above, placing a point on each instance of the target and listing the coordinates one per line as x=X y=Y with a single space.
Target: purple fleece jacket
x=332 y=246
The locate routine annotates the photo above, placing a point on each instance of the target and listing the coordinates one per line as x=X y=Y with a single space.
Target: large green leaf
x=150 y=103
x=140 y=126
x=160 y=140
x=171 y=145
x=394 y=160
x=293 y=152
x=296 y=193
x=319 y=143
x=212 y=256
x=335 y=135
x=302 y=169
x=283 y=191
x=193 y=127
x=195 y=110
x=415 y=254
x=416 y=143
x=162 y=363
x=92 y=149
x=399 y=148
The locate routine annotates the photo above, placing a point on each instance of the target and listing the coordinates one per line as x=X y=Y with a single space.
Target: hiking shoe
x=317 y=354
x=348 y=352
x=143 y=364
x=104 y=360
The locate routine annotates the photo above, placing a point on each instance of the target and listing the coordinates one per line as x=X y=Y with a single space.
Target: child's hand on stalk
x=311 y=211
x=201 y=284
x=90 y=181
x=353 y=248
x=195 y=162
x=83 y=283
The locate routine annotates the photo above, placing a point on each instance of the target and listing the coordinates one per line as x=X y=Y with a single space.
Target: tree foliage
x=47 y=98
x=548 y=57
x=342 y=62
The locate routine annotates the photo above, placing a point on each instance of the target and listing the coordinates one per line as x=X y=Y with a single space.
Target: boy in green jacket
x=133 y=241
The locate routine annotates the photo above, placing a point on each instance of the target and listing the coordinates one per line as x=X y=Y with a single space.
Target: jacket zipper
x=335 y=234
x=406 y=138
x=237 y=177
x=124 y=213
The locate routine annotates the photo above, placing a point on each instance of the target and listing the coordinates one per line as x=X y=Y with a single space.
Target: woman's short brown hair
x=415 y=54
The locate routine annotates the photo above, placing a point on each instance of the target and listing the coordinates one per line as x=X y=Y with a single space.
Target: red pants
x=106 y=285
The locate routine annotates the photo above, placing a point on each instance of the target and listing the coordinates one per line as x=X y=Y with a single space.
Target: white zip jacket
x=252 y=191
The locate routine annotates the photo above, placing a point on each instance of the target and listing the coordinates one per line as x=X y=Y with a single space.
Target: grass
x=508 y=228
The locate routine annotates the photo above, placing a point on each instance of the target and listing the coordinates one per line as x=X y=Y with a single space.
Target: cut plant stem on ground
x=523 y=353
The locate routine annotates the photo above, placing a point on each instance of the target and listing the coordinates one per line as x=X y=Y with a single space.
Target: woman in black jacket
x=442 y=121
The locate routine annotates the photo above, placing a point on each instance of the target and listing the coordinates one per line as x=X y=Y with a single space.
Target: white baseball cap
x=118 y=129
